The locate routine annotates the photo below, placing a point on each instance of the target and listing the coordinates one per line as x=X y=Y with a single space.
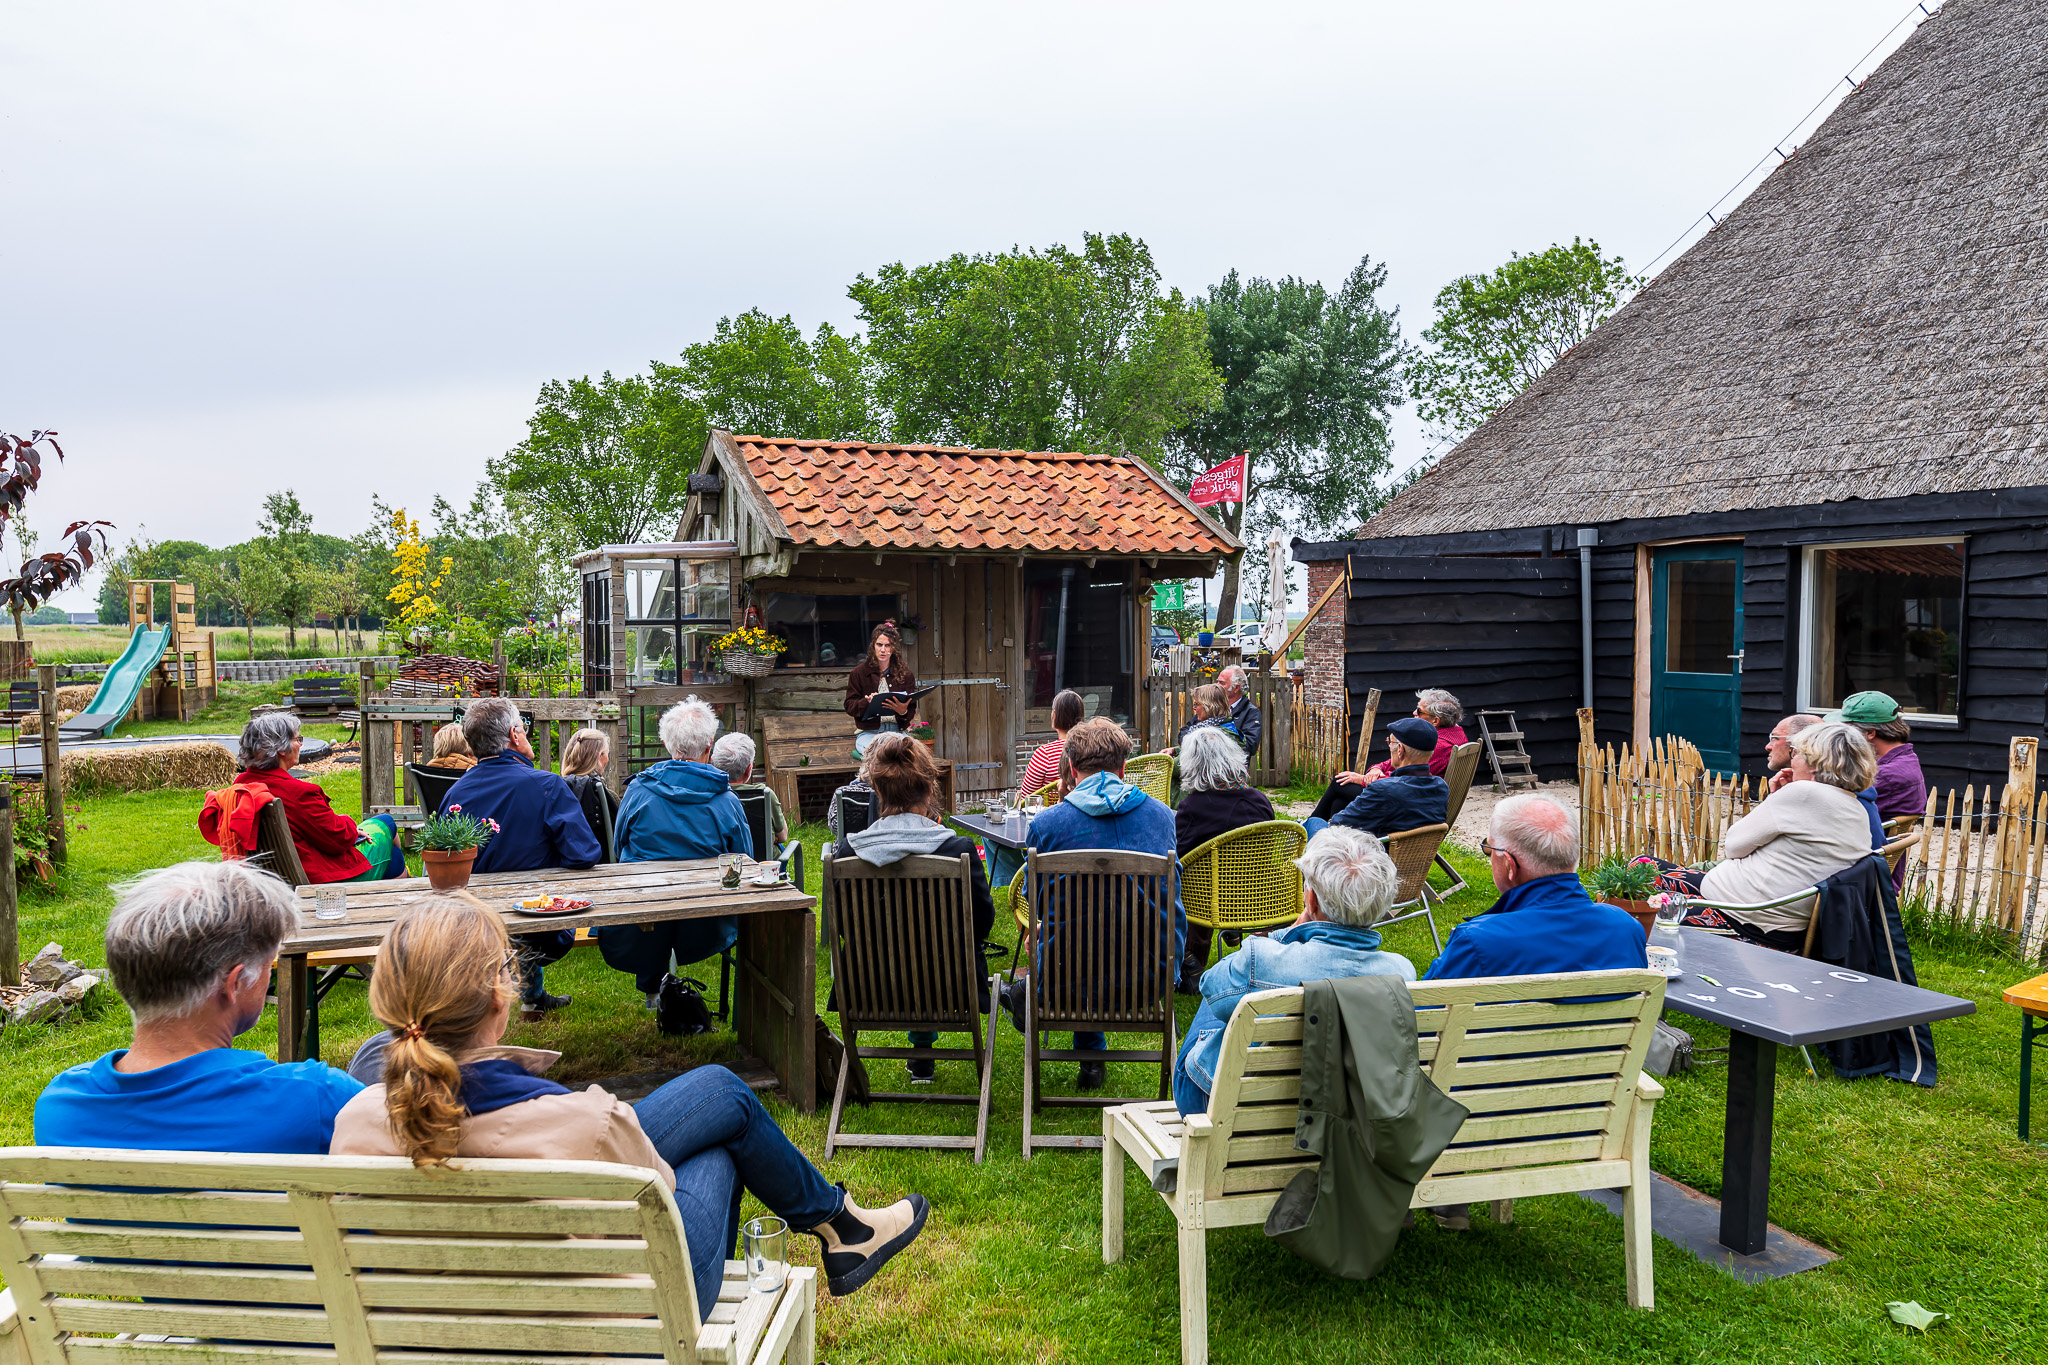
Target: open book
x=876 y=710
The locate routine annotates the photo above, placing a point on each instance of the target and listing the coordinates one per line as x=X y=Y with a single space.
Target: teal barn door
x=1696 y=648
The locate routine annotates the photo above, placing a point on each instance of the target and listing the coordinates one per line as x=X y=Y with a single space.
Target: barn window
x=828 y=630
x=1884 y=616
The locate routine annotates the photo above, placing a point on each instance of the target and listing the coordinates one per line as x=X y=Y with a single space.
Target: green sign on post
x=1169 y=596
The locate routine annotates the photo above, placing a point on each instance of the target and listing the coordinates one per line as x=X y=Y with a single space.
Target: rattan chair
x=1153 y=775
x=1414 y=853
x=1048 y=794
x=1245 y=878
x=1458 y=777
x=1102 y=962
x=904 y=957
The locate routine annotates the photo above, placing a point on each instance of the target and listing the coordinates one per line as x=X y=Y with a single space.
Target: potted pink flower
x=448 y=845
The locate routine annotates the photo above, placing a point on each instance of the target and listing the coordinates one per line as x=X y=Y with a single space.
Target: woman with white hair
x=682 y=807
x=1217 y=796
x=332 y=847
x=189 y=949
x=1800 y=835
x=1348 y=884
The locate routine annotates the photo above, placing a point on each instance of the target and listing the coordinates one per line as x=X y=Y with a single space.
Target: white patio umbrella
x=1275 y=633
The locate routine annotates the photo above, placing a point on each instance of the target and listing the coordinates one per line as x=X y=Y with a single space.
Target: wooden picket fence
x=1662 y=801
x=1171 y=705
x=1320 y=739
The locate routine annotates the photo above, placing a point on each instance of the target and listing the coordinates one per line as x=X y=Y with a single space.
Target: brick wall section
x=1323 y=641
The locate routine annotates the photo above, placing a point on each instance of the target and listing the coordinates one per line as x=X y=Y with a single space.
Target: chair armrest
x=13 y=1351
x=1647 y=1088
x=792 y=860
x=1807 y=894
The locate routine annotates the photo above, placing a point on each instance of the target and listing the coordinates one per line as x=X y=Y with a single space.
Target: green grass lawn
x=1926 y=1195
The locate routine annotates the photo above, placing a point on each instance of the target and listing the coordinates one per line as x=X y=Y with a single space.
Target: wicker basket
x=742 y=665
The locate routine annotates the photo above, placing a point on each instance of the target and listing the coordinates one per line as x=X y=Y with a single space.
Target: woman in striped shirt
x=1067 y=712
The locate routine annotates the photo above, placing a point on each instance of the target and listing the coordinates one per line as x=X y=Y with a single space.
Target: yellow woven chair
x=1414 y=853
x=1046 y=795
x=1153 y=775
x=1020 y=910
x=1246 y=878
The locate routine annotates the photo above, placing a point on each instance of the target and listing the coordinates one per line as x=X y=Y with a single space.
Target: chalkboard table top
x=1791 y=1000
x=1006 y=834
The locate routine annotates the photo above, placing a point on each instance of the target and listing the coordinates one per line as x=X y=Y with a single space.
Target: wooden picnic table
x=774 y=991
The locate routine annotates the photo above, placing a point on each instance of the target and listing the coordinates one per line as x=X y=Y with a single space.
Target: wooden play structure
x=183 y=682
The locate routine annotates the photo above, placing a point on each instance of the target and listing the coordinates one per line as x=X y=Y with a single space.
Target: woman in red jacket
x=332 y=847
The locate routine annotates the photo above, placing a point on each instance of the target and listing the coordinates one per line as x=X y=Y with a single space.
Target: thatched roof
x=1869 y=323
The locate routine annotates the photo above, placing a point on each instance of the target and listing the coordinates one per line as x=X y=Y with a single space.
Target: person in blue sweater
x=680 y=808
x=540 y=824
x=1410 y=796
x=1544 y=921
x=1102 y=812
x=189 y=950
x=1348 y=884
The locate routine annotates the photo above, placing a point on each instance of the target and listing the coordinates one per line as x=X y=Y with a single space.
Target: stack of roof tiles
x=850 y=495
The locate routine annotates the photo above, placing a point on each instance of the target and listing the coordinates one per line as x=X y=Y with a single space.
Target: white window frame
x=1808 y=608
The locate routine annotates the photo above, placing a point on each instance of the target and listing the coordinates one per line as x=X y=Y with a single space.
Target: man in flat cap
x=1408 y=797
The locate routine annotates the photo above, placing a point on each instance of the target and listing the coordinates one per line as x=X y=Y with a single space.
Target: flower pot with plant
x=750 y=651
x=448 y=846
x=922 y=732
x=1622 y=882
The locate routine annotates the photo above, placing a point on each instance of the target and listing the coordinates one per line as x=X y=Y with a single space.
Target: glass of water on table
x=330 y=903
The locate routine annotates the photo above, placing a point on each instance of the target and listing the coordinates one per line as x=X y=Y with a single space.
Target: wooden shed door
x=967 y=619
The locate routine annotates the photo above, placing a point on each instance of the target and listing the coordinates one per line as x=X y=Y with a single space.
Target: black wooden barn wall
x=1516 y=642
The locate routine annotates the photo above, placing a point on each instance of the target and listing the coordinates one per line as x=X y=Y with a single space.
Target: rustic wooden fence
x=1170 y=697
x=1320 y=739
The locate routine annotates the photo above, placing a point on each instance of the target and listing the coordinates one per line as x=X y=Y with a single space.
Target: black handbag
x=682 y=1010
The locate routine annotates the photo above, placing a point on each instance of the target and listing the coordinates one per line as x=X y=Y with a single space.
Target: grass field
x=1926 y=1195
x=104 y=643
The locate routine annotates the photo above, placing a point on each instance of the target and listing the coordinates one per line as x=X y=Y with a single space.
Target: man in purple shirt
x=1900 y=787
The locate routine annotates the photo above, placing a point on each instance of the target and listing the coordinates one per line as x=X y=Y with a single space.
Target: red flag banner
x=1224 y=483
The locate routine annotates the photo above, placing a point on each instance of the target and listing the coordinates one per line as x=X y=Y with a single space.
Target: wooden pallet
x=1511 y=765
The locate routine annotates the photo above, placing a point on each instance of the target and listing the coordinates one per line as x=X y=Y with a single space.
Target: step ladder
x=1503 y=739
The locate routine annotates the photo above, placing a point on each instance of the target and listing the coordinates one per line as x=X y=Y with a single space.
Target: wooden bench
x=1543 y=1120
x=552 y=1261
x=819 y=747
x=323 y=696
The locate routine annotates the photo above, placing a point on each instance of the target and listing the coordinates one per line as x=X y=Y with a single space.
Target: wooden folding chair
x=1245 y=878
x=1414 y=853
x=1103 y=962
x=905 y=956
x=1458 y=776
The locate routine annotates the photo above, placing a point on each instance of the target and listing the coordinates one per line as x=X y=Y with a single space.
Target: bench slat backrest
x=1103 y=936
x=513 y=1258
x=824 y=739
x=275 y=852
x=904 y=951
x=324 y=689
x=1548 y=1073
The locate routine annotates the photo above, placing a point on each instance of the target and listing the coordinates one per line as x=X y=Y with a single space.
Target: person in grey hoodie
x=906 y=781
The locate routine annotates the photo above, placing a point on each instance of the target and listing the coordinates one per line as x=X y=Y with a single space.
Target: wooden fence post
x=1372 y=711
x=10 y=930
x=53 y=768
x=1588 y=818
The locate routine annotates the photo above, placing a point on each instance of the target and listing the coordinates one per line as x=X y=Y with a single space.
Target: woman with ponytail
x=445 y=985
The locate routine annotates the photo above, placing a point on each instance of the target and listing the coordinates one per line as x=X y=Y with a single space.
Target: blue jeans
x=645 y=949
x=720 y=1142
x=1315 y=825
x=1188 y=1095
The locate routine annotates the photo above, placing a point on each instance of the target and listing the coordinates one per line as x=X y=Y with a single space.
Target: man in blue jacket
x=1544 y=920
x=1102 y=812
x=540 y=824
x=680 y=808
x=1408 y=797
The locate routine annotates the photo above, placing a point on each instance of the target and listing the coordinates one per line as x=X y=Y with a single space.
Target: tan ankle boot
x=858 y=1242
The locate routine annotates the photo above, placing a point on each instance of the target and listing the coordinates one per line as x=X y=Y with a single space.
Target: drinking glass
x=330 y=902
x=767 y=1251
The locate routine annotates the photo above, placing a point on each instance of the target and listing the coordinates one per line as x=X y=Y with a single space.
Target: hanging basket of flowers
x=750 y=652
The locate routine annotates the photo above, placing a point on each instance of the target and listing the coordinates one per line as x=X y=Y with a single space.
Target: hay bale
x=76 y=698
x=32 y=725
x=147 y=767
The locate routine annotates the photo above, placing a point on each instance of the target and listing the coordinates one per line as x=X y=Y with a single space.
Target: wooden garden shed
x=1012 y=573
x=1809 y=459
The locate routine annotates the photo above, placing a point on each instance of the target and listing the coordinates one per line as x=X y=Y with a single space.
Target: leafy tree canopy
x=1310 y=380
x=1495 y=333
x=1036 y=349
x=761 y=375
x=605 y=461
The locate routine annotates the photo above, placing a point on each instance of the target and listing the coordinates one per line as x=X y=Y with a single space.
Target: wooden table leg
x=292 y=995
x=1746 y=1143
x=775 y=998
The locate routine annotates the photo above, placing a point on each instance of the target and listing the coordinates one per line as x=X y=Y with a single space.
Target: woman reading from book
x=885 y=669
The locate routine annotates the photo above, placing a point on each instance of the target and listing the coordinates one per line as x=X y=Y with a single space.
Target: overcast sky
x=338 y=248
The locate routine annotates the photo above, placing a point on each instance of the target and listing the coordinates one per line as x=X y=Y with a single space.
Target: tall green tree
x=608 y=460
x=761 y=375
x=1494 y=333
x=249 y=578
x=1310 y=381
x=1035 y=349
x=286 y=527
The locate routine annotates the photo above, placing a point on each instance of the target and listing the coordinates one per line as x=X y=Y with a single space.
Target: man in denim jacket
x=1349 y=884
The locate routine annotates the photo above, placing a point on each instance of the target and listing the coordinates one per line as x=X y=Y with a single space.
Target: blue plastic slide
x=118 y=690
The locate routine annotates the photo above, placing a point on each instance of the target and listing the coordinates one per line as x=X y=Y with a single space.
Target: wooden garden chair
x=1153 y=775
x=1458 y=776
x=905 y=956
x=1245 y=878
x=1554 y=1082
x=365 y=1261
x=1102 y=962
x=1414 y=853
